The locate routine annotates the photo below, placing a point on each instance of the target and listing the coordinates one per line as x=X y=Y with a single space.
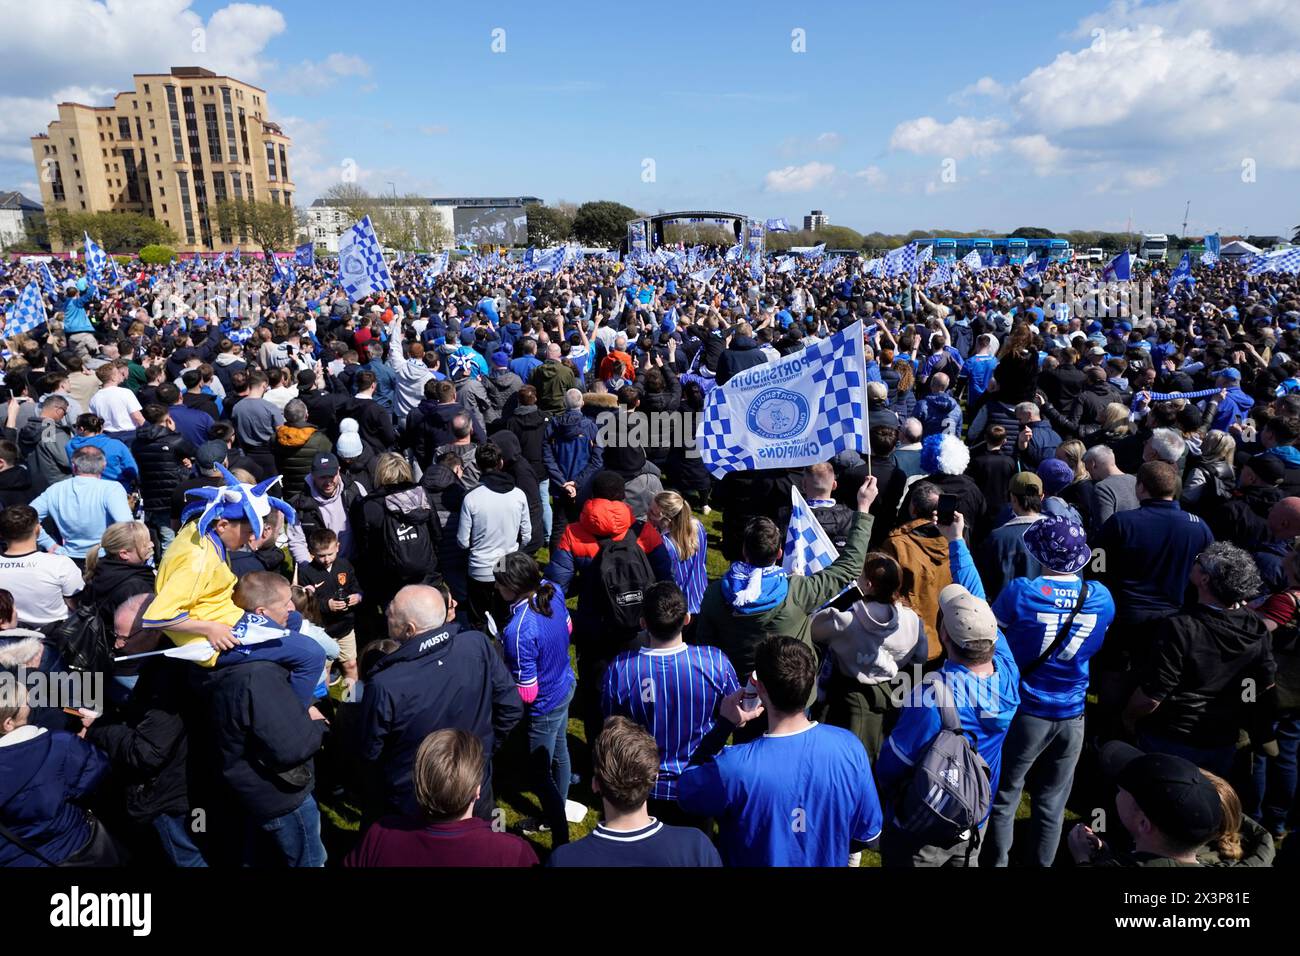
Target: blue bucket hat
x=1059 y=544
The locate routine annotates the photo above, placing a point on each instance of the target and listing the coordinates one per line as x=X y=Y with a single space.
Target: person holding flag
x=76 y=322
x=757 y=597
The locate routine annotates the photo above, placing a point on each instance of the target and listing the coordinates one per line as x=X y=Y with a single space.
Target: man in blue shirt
x=978 y=370
x=800 y=795
x=385 y=380
x=670 y=688
x=982 y=676
x=625 y=762
x=1047 y=733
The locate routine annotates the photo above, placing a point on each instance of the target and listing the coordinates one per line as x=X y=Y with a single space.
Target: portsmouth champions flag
x=790 y=413
x=304 y=255
x=362 y=270
x=808 y=549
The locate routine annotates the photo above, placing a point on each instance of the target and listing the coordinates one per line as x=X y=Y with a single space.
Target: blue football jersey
x=1030 y=612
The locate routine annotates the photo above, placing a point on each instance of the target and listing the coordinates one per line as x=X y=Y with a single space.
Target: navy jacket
x=263 y=738
x=442 y=679
x=1150 y=551
x=39 y=778
x=570 y=450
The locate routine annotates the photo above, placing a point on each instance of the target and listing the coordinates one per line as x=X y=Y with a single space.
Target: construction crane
x=1185 y=212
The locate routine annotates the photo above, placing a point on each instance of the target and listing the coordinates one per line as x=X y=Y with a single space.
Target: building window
x=146 y=89
x=284 y=164
x=270 y=163
x=214 y=135
x=183 y=180
x=177 y=148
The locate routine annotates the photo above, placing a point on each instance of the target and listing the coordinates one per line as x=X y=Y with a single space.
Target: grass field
x=341 y=818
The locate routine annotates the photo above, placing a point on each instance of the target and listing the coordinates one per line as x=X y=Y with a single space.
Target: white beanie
x=349 y=443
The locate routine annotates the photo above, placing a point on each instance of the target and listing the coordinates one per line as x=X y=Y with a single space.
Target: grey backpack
x=948 y=795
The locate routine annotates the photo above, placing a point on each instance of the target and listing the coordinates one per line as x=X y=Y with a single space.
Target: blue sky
x=895 y=116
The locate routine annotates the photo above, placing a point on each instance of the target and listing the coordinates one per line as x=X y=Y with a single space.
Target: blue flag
x=47 y=281
x=1212 y=243
x=305 y=255
x=1182 y=274
x=1119 y=269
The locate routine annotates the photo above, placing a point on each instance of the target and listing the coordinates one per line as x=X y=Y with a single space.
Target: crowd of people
x=379 y=554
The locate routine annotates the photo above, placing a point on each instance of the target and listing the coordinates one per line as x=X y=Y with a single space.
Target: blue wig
x=235 y=501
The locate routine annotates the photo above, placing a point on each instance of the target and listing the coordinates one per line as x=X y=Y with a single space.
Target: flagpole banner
x=797 y=411
x=362 y=269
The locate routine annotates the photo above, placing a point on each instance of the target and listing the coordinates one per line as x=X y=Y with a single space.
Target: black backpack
x=617 y=579
x=410 y=541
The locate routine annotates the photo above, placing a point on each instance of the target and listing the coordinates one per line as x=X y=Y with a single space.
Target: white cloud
x=798 y=179
x=1193 y=86
x=984 y=86
x=310 y=77
x=964 y=136
x=829 y=141
x=872 y=175
x=802 y=145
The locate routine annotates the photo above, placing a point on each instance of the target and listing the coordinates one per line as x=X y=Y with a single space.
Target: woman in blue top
x=687 y=543
x=536 y=645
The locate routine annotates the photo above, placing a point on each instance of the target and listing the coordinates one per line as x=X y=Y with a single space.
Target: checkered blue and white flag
x=829 y=265
x=1282 y=260
x=814 y=251
x=96 y=258
x=1209 y=260
x=808 y=549
x=972 y=261
x=28 y=311
x=925 y=255
x=793 y=412
x=47 y=281
x=787 y=264
x=703 y=276
x=941 y=275
x=362 y=270
x=900 y=260
x=628 y=276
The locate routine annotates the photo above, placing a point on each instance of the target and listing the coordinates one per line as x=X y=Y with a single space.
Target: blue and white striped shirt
x=690 y=574
x=673 y=693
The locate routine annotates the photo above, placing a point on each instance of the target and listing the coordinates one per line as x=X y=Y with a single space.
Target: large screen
x=490 y=225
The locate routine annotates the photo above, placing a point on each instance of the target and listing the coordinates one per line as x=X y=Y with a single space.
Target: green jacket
x=552 y=380
x=739 y=634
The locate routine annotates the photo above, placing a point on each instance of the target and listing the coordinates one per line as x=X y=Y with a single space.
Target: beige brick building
x=171 y=148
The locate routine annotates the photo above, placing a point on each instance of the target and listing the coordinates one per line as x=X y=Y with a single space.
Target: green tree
x=1033 y=232
x=548 y=225
x=270 y=225
x=602 y=223
x=112 y=230
x=352 y=198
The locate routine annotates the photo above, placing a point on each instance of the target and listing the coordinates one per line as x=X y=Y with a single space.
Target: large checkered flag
x=96 y=258
x=808 y=549
x=793 y=412
x=972 y=261
x=362 y=270
x=28 y=311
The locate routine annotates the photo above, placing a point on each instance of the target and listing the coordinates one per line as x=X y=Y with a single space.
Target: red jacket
x=602 y=518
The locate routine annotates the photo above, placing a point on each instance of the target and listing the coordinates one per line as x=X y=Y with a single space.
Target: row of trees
x=112 y=230
x=405 y=222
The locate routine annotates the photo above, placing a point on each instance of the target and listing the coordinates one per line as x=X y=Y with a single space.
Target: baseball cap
x=1172 y=792
x=1096 y=350
x=212 y=452
x=1232 y=374
x=1026 y=483
x=1267 y=468
x=500 y=359
x=966 y=618
x=324 y=465
x=882 y=418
